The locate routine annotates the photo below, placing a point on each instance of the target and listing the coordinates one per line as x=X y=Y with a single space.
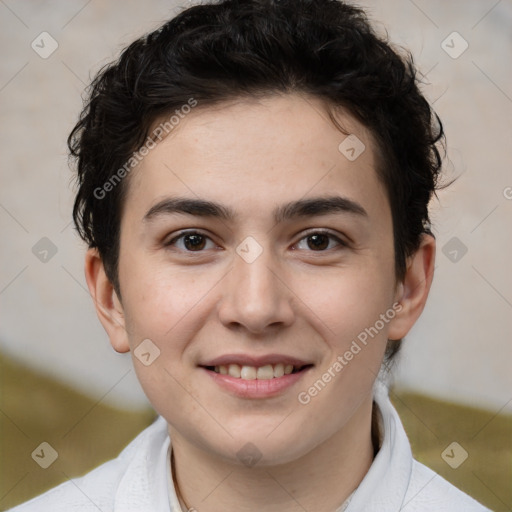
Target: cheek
x=343 y=302
x=348 y=317
x=158 y=299
x=168 y=307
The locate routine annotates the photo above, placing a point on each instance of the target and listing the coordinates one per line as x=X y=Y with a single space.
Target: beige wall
x=460 y=349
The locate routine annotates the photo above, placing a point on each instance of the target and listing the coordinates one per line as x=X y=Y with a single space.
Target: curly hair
x=230 y=49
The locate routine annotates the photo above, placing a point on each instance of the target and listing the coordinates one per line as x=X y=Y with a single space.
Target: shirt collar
x=384 y=487
x=143 y=485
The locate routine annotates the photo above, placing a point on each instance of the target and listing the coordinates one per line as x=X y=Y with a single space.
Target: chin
x=249 y=448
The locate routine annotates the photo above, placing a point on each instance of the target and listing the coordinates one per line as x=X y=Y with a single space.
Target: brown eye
x=190 y=241
x=321 y=241
x=194 y=242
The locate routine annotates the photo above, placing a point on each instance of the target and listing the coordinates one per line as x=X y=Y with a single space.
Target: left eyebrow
x=296 y=209
x=318 y=206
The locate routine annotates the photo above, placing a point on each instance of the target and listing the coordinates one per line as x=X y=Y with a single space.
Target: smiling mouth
x=266 y=372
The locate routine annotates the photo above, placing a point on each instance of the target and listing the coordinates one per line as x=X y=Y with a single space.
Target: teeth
x=248 y=373
x=279 y=370
x=266 y=372
x=234 y=370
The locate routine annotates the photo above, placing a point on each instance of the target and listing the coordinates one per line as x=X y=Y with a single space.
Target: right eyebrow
x=198 y=207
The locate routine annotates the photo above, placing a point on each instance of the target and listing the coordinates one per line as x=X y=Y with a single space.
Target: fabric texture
x=140 y=479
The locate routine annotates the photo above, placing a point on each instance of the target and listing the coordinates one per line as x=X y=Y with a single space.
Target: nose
x=256 y=297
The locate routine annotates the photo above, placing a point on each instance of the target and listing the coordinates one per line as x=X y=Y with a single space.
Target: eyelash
x=307 y=235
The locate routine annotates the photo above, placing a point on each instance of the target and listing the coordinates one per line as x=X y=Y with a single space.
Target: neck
x=321 y=480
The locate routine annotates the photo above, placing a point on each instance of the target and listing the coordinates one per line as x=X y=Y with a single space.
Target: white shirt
x=140 y=479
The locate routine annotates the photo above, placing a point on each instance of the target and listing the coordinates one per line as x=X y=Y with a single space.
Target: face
x=252 y=247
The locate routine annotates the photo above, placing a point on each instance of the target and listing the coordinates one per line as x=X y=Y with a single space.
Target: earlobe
x=412 y=292
x=108 y=306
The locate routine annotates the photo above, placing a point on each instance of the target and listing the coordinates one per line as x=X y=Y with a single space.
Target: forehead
x=250 y=153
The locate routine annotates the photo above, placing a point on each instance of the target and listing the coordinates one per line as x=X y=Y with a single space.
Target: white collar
x=143 y=485
x=392 y=464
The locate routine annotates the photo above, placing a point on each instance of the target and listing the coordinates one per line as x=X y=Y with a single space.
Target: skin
x=294 y=299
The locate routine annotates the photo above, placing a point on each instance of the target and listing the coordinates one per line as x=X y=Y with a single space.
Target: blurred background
x=60 y=380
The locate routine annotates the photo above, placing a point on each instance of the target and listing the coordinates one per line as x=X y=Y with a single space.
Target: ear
x=413 y=291
x=108 y=306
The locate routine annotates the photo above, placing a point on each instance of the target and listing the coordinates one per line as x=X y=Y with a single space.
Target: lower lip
x=256 y=388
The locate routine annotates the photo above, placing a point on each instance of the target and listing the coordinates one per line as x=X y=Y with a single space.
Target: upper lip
x=256 y=361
